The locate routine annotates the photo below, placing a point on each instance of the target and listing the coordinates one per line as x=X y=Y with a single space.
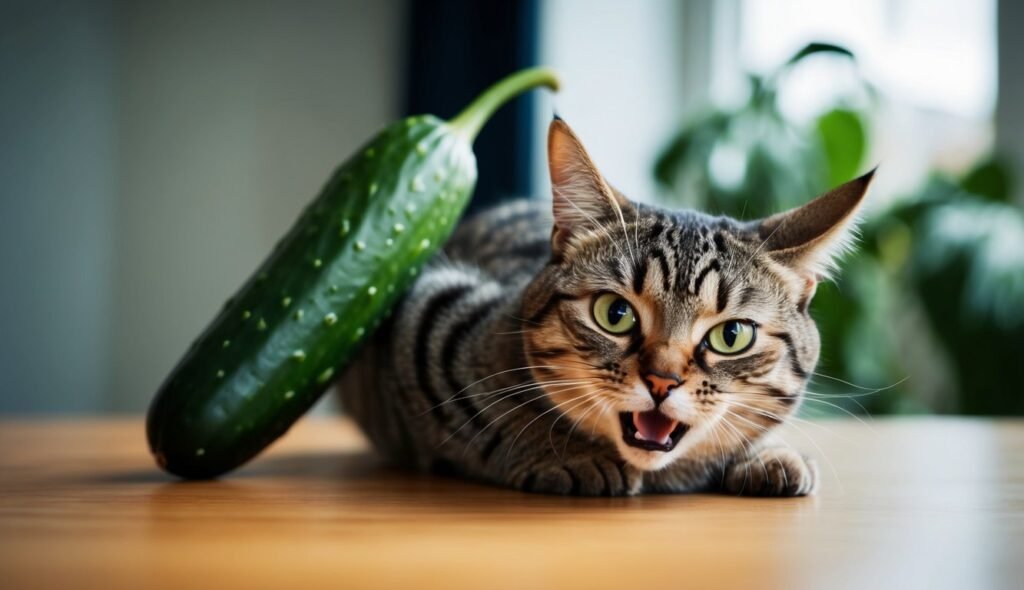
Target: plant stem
x=469 y=122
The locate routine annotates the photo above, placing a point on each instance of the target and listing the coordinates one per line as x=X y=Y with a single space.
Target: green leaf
x=987 y=238
x=991 y=179
x=852 y=315
x=843 y=137
x=968 y=273
x=692 y=143
x=671 y=159
x=819 y=47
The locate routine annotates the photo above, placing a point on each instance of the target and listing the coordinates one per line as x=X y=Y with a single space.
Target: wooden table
x=909 y=503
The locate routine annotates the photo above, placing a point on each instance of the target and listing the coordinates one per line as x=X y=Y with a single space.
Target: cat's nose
x=661 y=384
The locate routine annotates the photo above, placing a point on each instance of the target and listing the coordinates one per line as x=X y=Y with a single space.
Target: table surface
x=906 y=503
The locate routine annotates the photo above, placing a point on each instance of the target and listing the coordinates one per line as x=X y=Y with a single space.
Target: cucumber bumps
x=274 y=348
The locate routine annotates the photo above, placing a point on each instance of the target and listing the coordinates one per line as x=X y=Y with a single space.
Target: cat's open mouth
x=651 y=430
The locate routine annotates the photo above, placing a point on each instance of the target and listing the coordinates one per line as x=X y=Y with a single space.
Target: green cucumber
x=274 y=348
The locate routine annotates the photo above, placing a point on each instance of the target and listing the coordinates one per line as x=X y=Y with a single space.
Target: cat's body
x=450 y=388
x=510 y=361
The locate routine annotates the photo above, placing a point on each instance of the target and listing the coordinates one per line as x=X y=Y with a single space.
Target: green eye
x=614 y=314
x=731 y=337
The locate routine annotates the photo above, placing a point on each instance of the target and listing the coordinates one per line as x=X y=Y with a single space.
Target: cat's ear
x=811 y=237
x=582 y=202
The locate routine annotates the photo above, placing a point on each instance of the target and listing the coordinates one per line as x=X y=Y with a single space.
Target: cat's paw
x=774 y=471
x=584 y=476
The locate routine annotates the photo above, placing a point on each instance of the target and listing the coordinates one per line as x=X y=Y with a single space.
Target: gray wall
x=621 y=65
x=1010 y=105
x=151 y=154
x=58 y=179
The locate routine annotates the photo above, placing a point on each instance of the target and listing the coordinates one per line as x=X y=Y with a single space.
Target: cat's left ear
x=582 y=202
x=811 y=237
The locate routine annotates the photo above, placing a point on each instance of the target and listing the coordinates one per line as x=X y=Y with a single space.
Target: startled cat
x=593 y=345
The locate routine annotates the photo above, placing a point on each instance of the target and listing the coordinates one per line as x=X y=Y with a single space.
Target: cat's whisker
x=506 y=371
x=759 y=396
x=852 y=398
x=743 y=441
x=796 y=427
x=840 y=395
x=596 y=403
x=558 y=418
x=541 y=415
x=792 y=419
x=564 y=414
x=459 y=395
x=510 y=388
x=818 y=415
x=519 y=389
x=504 y=397
x=845 y=411
x=565 y=389
x=607 y=406
x=469 y=443
x=579 y=362
x=740 y=437
x=854 y=385
x=625 y=232
x=760 y=427
x=727 y=450
x=765 y=241
x=636 y=228
x=778 y=418
x=515 y=332
x=764 y=430
x=519 y=319
x=749 y=445
x=561 y=194
x=531 y=422
x=713 y=430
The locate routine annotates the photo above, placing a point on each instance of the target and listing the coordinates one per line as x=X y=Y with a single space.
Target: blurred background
x=152 y=152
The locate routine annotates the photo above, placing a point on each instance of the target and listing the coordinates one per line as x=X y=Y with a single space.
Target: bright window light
x=936 y=56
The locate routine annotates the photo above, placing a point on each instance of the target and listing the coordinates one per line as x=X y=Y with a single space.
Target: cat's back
x=508 y=241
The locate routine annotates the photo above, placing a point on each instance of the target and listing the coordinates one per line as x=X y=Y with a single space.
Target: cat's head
x=675 y=334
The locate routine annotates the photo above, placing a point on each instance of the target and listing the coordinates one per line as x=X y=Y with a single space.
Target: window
x=934 y=64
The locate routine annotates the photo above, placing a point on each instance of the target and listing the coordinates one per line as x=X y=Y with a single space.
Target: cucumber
x=274 y=348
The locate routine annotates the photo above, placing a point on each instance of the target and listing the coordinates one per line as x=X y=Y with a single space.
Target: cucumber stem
x=469 y=122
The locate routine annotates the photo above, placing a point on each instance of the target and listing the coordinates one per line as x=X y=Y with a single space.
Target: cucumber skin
x=271 y=352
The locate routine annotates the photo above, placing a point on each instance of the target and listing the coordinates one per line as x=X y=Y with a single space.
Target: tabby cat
x=596 y=346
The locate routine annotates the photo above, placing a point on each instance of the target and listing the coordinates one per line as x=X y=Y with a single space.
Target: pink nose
x=661 y=384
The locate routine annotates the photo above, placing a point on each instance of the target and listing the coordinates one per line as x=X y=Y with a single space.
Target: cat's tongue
x=654 y=426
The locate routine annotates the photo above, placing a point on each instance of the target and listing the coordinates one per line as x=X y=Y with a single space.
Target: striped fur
x=493 y=367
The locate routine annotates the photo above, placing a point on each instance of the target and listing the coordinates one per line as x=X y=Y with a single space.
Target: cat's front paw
x=775 y=471
x=584 y=476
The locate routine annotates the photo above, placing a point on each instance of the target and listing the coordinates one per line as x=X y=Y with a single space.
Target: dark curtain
x=456 y=49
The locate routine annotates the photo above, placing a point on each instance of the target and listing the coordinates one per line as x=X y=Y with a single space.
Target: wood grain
x=910 y=503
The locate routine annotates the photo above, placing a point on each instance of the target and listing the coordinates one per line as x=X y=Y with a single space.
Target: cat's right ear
x=811 y=237
x=582 y=202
